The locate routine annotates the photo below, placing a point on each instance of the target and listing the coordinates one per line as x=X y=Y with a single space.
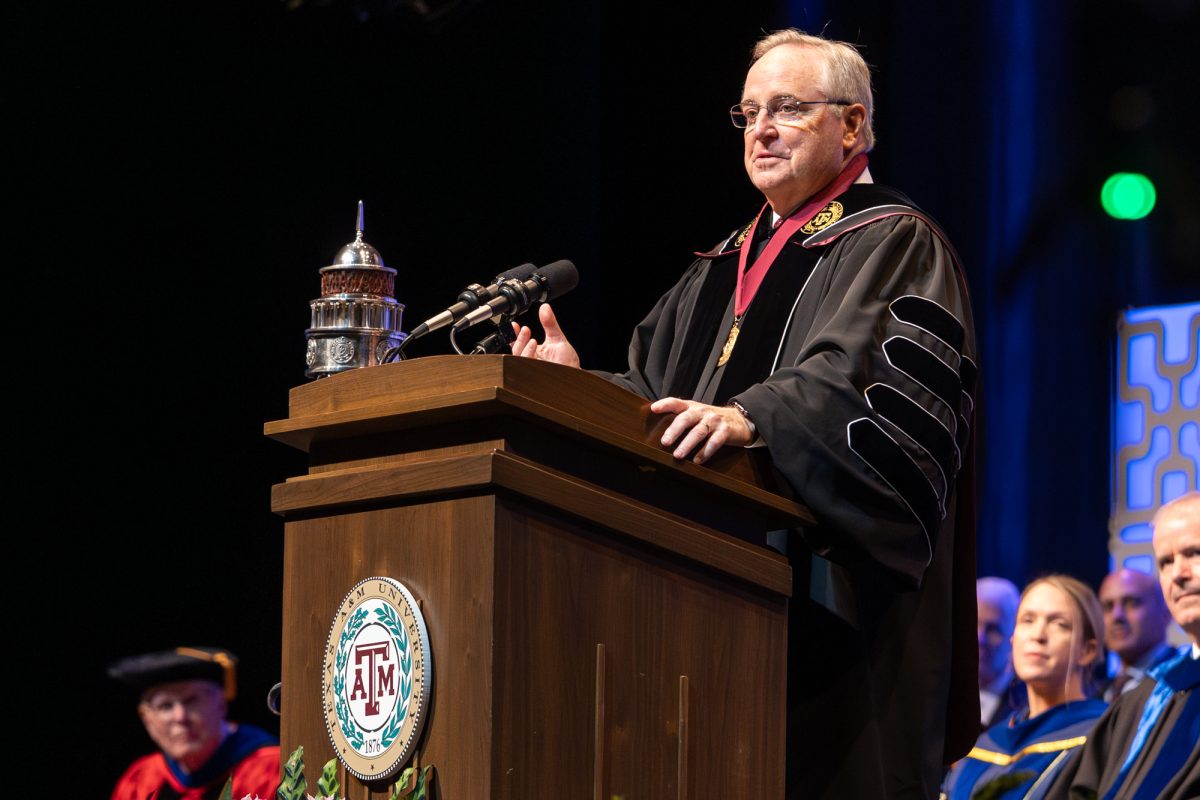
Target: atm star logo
x=376 y=678
x=824 y=218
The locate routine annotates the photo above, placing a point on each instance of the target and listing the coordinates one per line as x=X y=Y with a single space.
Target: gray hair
x=1180 y=503
x=845 y=73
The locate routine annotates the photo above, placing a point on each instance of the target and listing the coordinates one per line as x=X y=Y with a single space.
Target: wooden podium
x=604 y=621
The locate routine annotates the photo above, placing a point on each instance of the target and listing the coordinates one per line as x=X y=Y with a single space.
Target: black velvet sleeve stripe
x=932 y=468
x=918 y=424
x=964 y=428
x=927 y=315
x=888 y=459
x=968 y=373
x=926 y=369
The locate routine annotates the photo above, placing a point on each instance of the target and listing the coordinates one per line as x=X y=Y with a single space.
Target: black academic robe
x=856 y=361
x=1166 y=766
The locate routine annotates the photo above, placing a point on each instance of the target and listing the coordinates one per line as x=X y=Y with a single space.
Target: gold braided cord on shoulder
x=1003 y=759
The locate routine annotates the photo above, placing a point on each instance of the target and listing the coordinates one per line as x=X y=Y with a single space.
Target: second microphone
x=515 y=296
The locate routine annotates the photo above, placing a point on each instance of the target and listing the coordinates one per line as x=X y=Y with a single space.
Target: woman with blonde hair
x=1057 y=643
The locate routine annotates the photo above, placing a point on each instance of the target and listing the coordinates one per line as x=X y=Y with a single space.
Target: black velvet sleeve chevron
x=869 y=412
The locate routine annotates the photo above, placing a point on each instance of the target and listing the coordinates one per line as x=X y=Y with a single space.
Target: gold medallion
x=824 y=218
x=727 y=350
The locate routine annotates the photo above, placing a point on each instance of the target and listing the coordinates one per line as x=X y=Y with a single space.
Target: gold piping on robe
x=1003 y=759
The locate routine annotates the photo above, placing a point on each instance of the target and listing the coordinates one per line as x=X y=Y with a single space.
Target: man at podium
x=834 y=329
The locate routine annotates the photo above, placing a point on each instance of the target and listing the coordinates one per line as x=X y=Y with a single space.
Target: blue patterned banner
x=1156 y=423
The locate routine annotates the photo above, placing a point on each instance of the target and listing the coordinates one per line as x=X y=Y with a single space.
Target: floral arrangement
x=413 y=784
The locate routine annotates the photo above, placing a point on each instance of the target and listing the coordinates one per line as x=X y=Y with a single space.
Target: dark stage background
x=184 y=169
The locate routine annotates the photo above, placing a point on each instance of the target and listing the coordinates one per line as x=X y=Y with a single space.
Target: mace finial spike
x=360 y=219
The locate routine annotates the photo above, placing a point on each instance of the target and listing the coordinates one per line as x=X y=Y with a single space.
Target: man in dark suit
x=1135 y=627
x=997 y=600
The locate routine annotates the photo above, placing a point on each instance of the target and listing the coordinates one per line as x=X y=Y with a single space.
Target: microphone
x=515 y=295
x=470 y=299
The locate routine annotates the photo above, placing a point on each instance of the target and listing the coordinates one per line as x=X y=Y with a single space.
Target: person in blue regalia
x=1057 y=643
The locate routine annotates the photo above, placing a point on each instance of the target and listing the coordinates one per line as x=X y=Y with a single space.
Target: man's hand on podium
x=702 y=426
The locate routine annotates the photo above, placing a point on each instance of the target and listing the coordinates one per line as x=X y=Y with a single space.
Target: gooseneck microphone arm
x=471 y=298
x=468 y=300
x=511 y=294
x=516 y=296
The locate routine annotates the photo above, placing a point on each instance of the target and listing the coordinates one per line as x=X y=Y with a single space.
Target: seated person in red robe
x=183 y=695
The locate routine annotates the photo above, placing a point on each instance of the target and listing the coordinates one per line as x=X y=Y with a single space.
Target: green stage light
x=1127 y=195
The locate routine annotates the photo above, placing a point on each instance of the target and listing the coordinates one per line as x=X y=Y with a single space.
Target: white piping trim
x=933 y=394
x=941 y=496
x=942 y=425
x=970 y=399
x=835 y=230
x=892 y=311
x=788 y=325
x=903 y=499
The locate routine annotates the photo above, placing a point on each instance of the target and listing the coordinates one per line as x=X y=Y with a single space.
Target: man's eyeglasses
x=781 y=109
x=163 y=704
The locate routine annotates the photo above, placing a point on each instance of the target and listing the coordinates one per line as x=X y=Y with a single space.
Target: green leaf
x=418 y=791
x=400 y=788
x=328 y=783
x=293 y=786
x=227 y=792
x=422 y=785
